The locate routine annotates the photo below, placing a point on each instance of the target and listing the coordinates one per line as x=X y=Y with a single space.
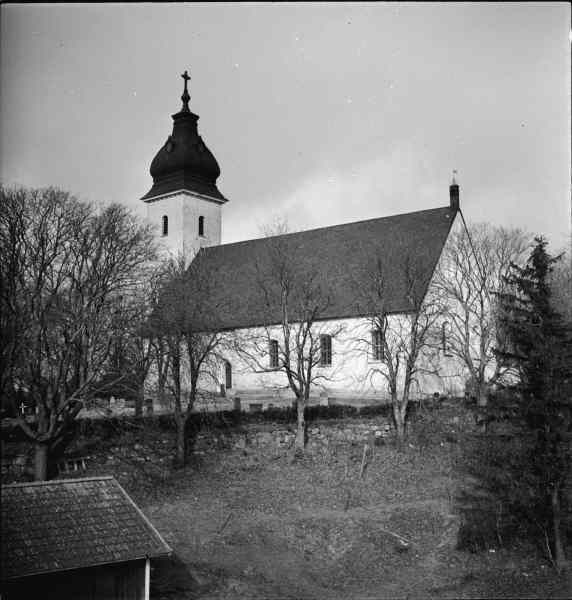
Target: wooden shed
x=76 y=538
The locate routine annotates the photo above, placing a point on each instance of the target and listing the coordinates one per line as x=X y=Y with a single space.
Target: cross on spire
x=185 y=97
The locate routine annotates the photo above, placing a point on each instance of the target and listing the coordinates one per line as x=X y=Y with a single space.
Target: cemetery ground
x=250 y=522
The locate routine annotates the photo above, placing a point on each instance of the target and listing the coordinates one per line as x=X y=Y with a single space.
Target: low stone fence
x=14 y=467
x=320 y=436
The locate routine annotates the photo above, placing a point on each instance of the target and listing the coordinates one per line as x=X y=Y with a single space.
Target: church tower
x=184 y=203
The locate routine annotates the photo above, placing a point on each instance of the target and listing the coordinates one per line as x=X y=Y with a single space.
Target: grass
x=253 y=523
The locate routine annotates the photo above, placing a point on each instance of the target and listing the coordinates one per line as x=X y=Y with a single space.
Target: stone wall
x=320 y=435
x=115 y=437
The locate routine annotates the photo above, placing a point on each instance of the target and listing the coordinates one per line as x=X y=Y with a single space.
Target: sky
x=318 y=114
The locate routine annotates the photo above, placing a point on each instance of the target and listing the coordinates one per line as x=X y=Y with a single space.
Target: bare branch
x=69 y=262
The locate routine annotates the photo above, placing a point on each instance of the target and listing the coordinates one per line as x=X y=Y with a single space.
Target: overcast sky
x=317 y=113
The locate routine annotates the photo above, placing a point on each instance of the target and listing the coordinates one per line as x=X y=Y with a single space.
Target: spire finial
x=185 y=97
x=454 y=181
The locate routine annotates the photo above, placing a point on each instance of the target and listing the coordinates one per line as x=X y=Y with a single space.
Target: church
x=330 y=271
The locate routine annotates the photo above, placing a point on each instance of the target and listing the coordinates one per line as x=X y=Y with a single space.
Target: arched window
x=273 y=351
x=165 y=225
x=377 y=344
x=325 y=350
x=201 y=226
x=445 y=334
x=228 y=374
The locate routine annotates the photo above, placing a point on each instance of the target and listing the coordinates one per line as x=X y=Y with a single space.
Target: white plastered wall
x=193 y=208
x=354 y=374
x=183 y=211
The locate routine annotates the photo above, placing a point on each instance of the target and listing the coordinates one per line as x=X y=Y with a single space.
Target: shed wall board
x=125 y=581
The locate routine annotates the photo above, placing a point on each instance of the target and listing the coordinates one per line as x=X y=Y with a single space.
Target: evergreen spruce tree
x=540 y=350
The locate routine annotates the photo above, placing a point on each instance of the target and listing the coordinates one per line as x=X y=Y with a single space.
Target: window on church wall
x=201 y=226
x=228 y=374
x=377 y=344
x=273 y=352
x=445 y=338
x=325 y=350
x=165 y=225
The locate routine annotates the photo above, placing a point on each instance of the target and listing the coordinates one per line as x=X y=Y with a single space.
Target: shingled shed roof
x=71 y=524
x=339 y=258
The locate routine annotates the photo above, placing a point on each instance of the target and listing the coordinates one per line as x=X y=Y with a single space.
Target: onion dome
x=184 y=163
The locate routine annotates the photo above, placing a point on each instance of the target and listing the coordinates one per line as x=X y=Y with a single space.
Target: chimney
x=454 y=193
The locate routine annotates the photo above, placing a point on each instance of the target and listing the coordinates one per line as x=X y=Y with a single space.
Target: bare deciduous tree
x=65 y=266
x=403 y=343
x=561 y=287
x=472 y=273
x=293 y=340
x=185 y=327
x=135 y=350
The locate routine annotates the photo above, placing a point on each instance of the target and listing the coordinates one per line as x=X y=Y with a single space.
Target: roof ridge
x=34 y=523
x=284 y=235
x=50 y=481
x=155 y=532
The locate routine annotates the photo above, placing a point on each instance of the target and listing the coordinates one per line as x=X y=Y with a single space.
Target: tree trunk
x=399 y=423
x=559 y=555
x=161 y=392
x=189 y=440
x=482 y=394
x=162 y=374
x=41 y=461
x=192 y=395
x=399 y=413
x=180 y=454
x=301 y=429
x=41 y=448
x=179 y=417
x=140 y=399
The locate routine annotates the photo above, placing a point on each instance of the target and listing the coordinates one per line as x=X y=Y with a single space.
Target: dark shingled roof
x=70 y=524
x=342 y=257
